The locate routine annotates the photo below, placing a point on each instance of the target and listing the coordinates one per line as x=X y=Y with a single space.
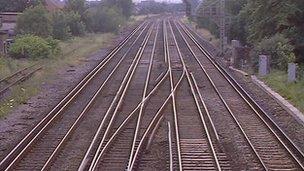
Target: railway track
x=158 y=88
x=271 y=147
x=17 y=77
x=31 y=152
x=197 y=149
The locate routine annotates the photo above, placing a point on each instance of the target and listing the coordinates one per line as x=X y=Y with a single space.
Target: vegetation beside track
x=293 y=92
x=73 y=52
x=204 y=32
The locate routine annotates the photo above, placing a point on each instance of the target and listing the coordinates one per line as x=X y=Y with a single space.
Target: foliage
x=34 y=47
x=61 y=29
x=35 y=21
x=124 y=5
x=67 y=24
x=29 y=46
x=104 y=19
x=208 y=24
x=54 y=46
x=75 y=23
x=154 y=8
x=18 y=5
x=78 y=6
x=256 y=21
x=267 y=18
x=279 y=48
x=300 y=72
x=293 y=92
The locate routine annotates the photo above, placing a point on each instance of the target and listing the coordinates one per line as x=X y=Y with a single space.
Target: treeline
x=38 y=29
x=160 y=7
x=269 y=27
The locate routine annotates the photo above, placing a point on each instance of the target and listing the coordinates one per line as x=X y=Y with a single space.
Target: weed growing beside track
x=293 y=92
x=73 y=52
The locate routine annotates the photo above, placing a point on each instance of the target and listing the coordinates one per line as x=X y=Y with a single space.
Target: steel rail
x=223 y=101
x=151 y=137
x=19 y=149
x=147 y=80
x=165 y=38
x=87 y=107
x=205 y=106
x=252 y=104
x=130 y=115
x=154 y=121
x=20 y=79
x=122 y=90
x=215 y=157
x=97 y=156
x=173 y=102
x=170 y=147
x=16 y=73
x=84 y=161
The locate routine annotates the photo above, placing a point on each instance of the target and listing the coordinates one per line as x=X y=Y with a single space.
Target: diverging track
x=158 y=101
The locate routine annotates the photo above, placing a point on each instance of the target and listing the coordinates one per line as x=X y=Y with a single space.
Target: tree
x=267 y=18
x=75 y=24
x=18 y=5
x=104 y=19
x=35 y=21
x=264 y=23
x=124 y=5
x=61 y=29
x=76 y=6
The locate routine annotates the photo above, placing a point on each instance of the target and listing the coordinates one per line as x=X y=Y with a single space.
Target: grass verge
x=73 y=52
x=293 y=92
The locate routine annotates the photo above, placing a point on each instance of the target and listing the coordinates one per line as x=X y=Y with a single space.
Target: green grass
x=293 y=92
x=73 y=53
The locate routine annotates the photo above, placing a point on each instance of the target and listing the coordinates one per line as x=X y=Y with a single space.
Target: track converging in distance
x=157 y=101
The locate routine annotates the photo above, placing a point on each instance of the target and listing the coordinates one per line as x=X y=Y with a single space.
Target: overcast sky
x=175 y=1
x=161 y=0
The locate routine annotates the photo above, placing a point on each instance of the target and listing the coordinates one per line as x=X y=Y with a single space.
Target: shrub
x=279 y=48
x=34 y=47
x=54 y=46
x=61 y=29
x=75 y=24
x=66 y=24
x=207 y=23
x=35 y=21
x=104 y=19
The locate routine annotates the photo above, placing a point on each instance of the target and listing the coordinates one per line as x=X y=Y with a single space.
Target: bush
x=104 y=19
x=66 y=24
x=35 y=21
x=75 y=24
x=34 y=47
x=207 y=23
x=279 y=48
x=61 y=29
x=54 y=46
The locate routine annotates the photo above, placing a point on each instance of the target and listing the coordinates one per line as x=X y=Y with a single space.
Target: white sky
x=162 y=1
x=175 y=1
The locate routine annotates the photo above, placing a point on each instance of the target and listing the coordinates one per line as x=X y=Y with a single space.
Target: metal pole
x=222 y=27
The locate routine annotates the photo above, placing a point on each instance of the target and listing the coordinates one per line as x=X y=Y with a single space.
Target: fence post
x=292 y=72
x=235 y=44
x=264 y=66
